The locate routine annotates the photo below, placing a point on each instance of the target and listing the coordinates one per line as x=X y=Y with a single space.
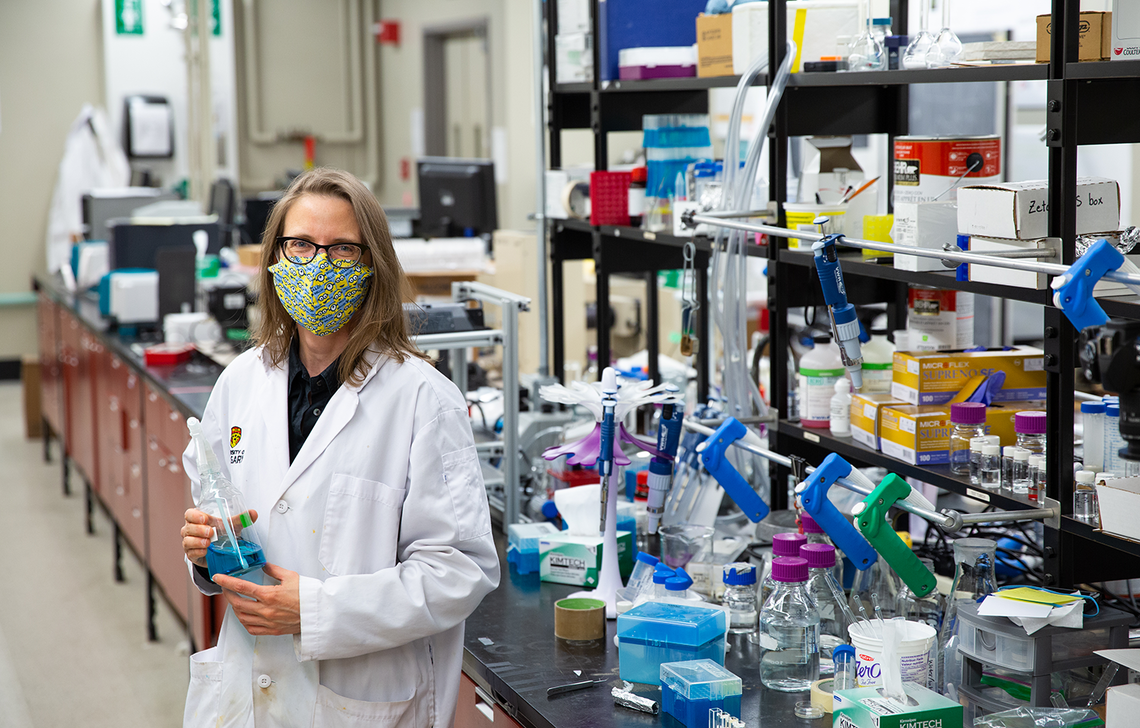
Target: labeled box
x=866 y=416
x=920 y=434
x=867 y=708
x=1125 y=40
x=934 y=377
x=714 y=45
x=923 y=225
x=1020 y=210
x=1119 y=501
x=1095 y=32
x=576 y=560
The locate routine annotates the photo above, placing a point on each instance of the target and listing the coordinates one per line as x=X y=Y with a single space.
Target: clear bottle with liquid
x=1007 y=466
x=991 y=467
x=740 y=598
x=1093 y=448
x=1084 y=498
x=974 y=578
x=827 y=595
x=976 y=445
x=1037 y=476
x=789 y=630
x=1021 y=481
x=1030 y=429
x=969 y=421
x=234 y=549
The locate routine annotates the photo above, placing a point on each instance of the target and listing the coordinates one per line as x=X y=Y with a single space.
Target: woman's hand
x=197 y=533
x=265 y=610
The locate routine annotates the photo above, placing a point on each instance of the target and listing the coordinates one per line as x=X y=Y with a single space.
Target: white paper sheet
x=150 y=129
x=995 y=606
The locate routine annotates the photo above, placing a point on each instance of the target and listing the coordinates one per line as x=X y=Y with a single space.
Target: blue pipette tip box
x=654 y=633
x=522 y=545
x=689 y=690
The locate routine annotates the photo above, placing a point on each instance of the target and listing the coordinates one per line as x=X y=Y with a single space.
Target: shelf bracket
x=1054 y=113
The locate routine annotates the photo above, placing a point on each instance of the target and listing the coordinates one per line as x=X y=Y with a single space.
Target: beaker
x=974 y=577
x=682 y=544
x=946 y=48
x=920 y=45
x=866 y=53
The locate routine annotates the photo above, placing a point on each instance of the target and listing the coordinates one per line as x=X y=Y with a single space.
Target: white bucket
x=916 y=651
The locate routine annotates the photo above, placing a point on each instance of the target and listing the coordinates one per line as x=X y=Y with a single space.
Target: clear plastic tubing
x=789 y=630
x=1031 y=428
x=1007 y=466
x=991 y=467
x=1021 y=480
x=1085 y=507
x=1037 y=476
x=740 y=598
x=1093 y=415
x=1113 y=463
x=969 y=420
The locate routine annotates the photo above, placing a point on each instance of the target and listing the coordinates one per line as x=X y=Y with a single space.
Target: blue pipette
x=844 y=322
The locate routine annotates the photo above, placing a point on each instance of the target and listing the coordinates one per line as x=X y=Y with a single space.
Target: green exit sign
x=129 y=17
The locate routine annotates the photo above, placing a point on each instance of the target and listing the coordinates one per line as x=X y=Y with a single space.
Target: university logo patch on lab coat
x=235 y=436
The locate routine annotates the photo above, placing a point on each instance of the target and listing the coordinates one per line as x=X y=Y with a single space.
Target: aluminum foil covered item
x=1124 y=241
x=627 y=699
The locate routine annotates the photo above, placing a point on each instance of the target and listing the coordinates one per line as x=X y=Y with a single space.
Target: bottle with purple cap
x=789 y=630
x=1030 y=429
x=969 y=421
x=827 y=595
x=816 y=534
x=783 y=544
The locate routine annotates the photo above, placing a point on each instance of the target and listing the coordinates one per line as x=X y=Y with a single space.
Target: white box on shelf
x=1020 y=210
x=816 y=26
x=1122 y=705
x=923 y=225
x=1125 y=30
x=573 y=16
x=557 y=182
x=573 y=58
x=1008 y=276
x=1119 y=501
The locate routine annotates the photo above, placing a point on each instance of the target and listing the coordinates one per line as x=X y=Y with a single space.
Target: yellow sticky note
x=1028 y=594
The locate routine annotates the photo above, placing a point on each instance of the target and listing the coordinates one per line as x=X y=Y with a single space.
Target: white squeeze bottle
x=841 y=409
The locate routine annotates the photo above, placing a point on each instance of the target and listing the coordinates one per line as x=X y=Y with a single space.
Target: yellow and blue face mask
x=320 y=296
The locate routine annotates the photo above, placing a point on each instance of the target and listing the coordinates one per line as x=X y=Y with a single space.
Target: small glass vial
x=976 y=445
x=1030 y=429
x=789 y=630
x=740 y=598
x=1007 y=466
x=969 y=420
x=1093 y=415
x=991 y=467
x=841 y=408
x=1020 y=480
x=1084 y=498
x=1037 y=474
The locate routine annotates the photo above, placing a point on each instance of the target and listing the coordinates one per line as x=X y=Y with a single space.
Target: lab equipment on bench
x=654 y=633
x=974 y=578
x=605 y=462
x=871 y=520
x=834 y=614
x=714 y=456
x=789 y=630
x=661 y=466
x=234 y=549
x=813 y=496
x=783 y=545
x=457 y=197
x=844 y=321
x=690 y=690
x=130 y=296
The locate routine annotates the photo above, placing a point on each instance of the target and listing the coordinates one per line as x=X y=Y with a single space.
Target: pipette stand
x=609 y=578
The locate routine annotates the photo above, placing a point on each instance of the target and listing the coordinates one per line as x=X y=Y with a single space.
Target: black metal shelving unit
x=1088 y=103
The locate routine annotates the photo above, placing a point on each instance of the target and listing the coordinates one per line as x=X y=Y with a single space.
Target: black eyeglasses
x=302 y=252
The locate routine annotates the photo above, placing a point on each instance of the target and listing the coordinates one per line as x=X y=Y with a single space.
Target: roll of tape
x=821 y=696
x=580 y=619
x=575 y=196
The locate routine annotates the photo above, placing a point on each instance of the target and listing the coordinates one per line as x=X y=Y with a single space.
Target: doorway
x=457 y=90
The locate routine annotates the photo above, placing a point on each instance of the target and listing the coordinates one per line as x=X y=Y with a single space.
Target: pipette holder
x=872 y=523
x=715 y=459
x=1074 y=289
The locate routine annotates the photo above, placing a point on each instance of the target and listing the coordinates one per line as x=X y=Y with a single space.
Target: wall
x=50 y=65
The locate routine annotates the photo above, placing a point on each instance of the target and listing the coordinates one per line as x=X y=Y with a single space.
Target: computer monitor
x=135 y=245
x=457 y=197
x=101 y=205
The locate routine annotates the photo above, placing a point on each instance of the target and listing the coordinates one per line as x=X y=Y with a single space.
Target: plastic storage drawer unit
x=522 y=544
x=689 y=690
x=654 y=633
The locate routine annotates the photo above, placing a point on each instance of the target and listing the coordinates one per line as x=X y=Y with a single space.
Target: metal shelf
x=823 y=442
x=1102 y=69
x=1084 y=530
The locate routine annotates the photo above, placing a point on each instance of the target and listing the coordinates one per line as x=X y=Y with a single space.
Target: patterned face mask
x=320 y=296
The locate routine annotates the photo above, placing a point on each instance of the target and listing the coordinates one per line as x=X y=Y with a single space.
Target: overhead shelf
x=1084 y=530
x=1103 y=69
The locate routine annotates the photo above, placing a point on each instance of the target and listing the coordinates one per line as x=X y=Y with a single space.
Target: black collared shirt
x=308 y=397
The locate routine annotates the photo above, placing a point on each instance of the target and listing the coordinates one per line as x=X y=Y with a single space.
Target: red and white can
x=926 y=168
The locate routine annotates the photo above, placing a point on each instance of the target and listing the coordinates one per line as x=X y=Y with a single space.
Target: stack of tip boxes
x=689 y=690
x=522 y=544
x=654 y=633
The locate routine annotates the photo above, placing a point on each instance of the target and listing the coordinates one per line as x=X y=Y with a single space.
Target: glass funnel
x=974 y=578
x=946 y=48
x=920 y=45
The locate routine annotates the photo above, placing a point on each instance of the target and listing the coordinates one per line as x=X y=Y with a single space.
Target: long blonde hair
x=379 y=326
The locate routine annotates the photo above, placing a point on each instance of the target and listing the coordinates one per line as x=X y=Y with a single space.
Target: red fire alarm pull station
x=388 y=32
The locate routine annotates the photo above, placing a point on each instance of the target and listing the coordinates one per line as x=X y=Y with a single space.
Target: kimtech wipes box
x=934 y=377
x=576 y=560
x=866 y=411
x=867 y=708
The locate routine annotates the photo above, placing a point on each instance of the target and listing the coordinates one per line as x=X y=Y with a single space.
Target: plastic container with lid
x=1085 y=508
x=1006 y=466
x=991 y=467
x=654 y=633
x=522 y=545
x=820 y=368
x=740 y=597
x=677 y=586
x=969 y=421
x=1020 y=482
x=1093 y=415
x=689 y=690
x=641 y=579
x=1031 y=428
x=841 y=408
x=661 y=574
x=976 y=445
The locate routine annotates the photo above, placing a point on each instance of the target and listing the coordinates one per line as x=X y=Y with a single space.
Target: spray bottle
x=234 y=549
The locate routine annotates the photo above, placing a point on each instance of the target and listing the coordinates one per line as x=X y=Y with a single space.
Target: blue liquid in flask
x=225 y=560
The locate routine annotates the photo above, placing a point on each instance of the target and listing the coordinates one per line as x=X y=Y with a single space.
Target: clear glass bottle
x=234 y=549
x=740 y=598
x=976 y=445
x=991 y=467
x=827 y=595
x=1007 y=466
x=789 y=630
x=1021 y=481
x=1030 y=429
x=1093 y=415
x=1037 y=476
x=784 y=545
x=816 y=534
x=969 y=421
x=1084 y=498
x=974 y=577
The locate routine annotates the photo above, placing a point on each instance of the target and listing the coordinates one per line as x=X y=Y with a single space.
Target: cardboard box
x=920 y=434
x=1020 y=210
x=1096 y=36
x=250 y=255
x=1119 y=502
x=866 y=708
x=714 y=45
x=1125 y=36
x=1122 y=704
x=1008 y=276
x=924 y=225
x=866 y=416
x=576 y=560
x=934 y=377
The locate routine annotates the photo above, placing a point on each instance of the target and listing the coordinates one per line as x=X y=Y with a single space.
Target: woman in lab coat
x=369 y=504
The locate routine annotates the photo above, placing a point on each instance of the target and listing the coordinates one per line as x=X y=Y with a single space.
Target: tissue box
x=522 y=544
x=654 y=633
x=576 y=560
x=865 y=708
x=866 y=414
x=934 y=377
x=920 y=434
x=1020 y=210
x=689 y=690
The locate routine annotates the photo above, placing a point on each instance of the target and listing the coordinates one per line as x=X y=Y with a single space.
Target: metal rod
x=540 y=184
x=1030 y=514
x=1054 y=269
x=736 y=213
x=1027 y=253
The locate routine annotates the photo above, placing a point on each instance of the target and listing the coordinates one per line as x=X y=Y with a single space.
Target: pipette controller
x=844 y=322
x=606 y=450
x=661 y=466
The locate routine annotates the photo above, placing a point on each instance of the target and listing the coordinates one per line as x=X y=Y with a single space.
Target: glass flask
x=866 y=53
x=915 y=54
x=946 y=48
x=974 y=577
x=234 y=549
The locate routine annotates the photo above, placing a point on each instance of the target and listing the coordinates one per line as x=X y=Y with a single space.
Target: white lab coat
x=383 y=513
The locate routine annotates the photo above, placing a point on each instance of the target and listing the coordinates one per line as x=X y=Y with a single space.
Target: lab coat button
x=264 y=681
x=282 y=506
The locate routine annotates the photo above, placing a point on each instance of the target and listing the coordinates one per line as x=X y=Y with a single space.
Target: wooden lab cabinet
x=120 y=444
x=78 y=351
x=51 y=367
x=476 y=709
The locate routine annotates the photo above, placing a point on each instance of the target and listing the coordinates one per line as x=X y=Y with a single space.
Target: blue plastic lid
x=549 y=510
x=881 y=21
x=1110 y=398
x=661 y=573
x=739 y=574
x=842 y=650
x=700 y=680
x=672 y=624
x=676 y=583
x=1113 y=410
x=647 y=558
x=1093 y=408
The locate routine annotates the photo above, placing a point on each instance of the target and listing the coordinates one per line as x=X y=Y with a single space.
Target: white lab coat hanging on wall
x=384 y=515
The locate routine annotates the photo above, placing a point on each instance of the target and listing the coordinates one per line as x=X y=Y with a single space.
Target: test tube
x=1007 y=467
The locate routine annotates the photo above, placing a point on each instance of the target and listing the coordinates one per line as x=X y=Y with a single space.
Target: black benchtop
x=524 y=658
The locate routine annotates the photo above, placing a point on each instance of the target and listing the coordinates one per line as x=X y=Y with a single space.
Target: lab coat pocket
x=361 y=526
x=335 y=711
x=205 y=691
x=464 y=479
